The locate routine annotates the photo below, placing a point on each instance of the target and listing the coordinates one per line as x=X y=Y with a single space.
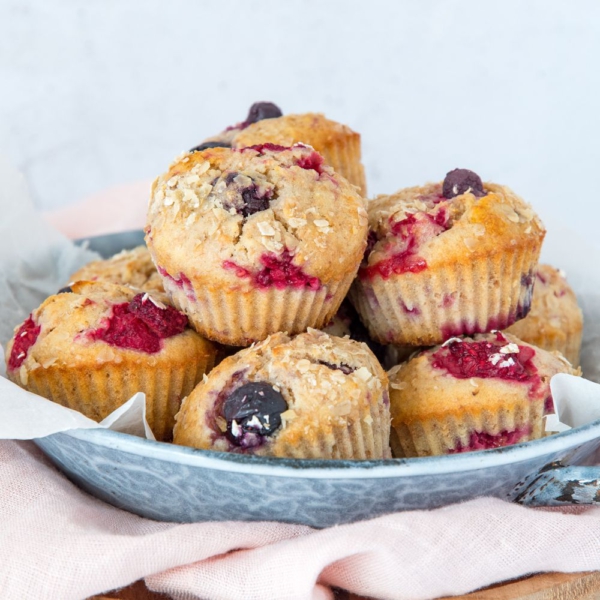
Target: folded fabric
x=58 y=542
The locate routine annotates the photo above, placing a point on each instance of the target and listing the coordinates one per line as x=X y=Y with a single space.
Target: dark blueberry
x=263 y=110
x=459 y=181
x=206 y=145
x=344 y=368
x=65 y=290
x=246 y=201
x=256 y=409
x=253 y=203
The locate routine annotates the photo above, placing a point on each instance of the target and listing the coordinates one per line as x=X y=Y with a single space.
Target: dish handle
x=557 y=485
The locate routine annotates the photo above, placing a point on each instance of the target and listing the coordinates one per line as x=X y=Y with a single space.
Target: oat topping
x=244 y=207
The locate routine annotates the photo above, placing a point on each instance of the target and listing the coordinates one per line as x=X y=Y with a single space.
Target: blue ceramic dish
x=174 y=483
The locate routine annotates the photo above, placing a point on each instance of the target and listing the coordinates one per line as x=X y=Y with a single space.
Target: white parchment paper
x=36 y=261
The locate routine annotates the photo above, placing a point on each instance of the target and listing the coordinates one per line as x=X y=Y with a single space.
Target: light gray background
x=98 y=93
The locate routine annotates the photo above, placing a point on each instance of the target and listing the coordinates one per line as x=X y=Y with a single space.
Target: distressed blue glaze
x=174 y=483
x=561 y=486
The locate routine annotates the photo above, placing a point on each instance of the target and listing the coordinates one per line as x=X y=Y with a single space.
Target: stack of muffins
x=254 y=239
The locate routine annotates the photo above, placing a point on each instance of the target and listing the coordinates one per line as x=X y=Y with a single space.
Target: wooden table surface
x=547 y=586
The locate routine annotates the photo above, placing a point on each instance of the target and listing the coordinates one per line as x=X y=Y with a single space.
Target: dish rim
x=339 y=469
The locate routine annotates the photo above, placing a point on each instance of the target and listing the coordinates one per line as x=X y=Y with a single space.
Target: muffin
x=555 y=321
x=129 y=267
x=254 y=241
x=447 y=259
x=96 y=344
x=265 y=123
x=311 y=396
x=469 y=394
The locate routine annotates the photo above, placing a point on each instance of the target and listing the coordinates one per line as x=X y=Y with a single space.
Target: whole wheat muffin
x=254 y=241
x=447 y=259
x=468 y=394
x=312 y=396
x=555 y=321
x=94 y=345
x=265 y=123
x=129 y=267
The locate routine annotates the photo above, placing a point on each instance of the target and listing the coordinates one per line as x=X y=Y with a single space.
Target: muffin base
x=423 y=309
x=240 y=318
x=443 y=436
x=97 y=390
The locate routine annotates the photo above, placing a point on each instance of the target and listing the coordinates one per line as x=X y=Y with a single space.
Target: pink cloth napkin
x=57 y=542
x=116 y=209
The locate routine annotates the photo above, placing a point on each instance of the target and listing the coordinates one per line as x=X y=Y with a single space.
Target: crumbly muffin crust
x=471 y=393
x=129 y=267
x=335 y=391
x=250 y=220
x=555 y=321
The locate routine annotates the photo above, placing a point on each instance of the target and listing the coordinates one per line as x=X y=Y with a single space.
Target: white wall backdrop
x=97 y=93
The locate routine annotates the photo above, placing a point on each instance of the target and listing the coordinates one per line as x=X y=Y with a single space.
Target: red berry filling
x=494 y=323
x=229 y=265
x=409 y=311
x=479 y=440
x=277 y=271
x=448 y=300
x=25 y=338
x=182 y=282
x=260 y=148
x=408 y=235
x=140 y=325
x=313 y=161
x=503 y=360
